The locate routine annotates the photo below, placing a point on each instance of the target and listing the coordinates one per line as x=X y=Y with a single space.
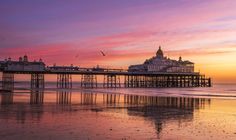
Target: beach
x=167 y=113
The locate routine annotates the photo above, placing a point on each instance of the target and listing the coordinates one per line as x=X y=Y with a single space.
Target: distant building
x=159 y=63
x=22 y=65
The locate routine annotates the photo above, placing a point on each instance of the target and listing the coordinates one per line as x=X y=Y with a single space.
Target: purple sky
x=128 y=31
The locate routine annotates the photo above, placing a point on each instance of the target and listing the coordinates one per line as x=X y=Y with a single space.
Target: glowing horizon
x=128 y=31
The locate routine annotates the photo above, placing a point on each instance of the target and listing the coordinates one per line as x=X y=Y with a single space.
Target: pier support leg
x=64 y=81
x=129 y=81
x=37 y=81
x=192 y=81
x=7 y=81
x=88 y=81
x=126 y=81
x=189 y=78
x=168 y=81
x=209 y=82
x=181 y=81
x=111 y=81
x=198 y=80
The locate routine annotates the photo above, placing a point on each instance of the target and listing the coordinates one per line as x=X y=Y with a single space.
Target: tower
x=159 y=53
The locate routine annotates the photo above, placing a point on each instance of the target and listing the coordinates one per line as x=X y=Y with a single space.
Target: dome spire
x=180 y=58
x=159 y=53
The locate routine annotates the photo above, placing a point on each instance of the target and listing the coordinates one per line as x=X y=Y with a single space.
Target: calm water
x=190 y=113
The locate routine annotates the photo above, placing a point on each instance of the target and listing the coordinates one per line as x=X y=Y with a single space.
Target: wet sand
x=65 y=114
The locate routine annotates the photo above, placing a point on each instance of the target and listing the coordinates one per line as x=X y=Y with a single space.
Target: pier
x=157 y=72
x=112 y=79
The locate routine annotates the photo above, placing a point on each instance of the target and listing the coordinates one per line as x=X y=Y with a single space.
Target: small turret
x=20 y=59
x=25 y=58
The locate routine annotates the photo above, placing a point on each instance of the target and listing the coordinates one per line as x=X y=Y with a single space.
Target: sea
x=118 y=113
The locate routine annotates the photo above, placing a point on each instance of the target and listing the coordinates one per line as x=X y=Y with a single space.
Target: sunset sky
x=127 y=31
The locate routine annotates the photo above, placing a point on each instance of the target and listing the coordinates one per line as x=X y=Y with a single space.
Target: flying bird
x=103 y=54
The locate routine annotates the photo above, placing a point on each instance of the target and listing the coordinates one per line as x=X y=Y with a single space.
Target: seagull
x=103 y=54
x=77 y=55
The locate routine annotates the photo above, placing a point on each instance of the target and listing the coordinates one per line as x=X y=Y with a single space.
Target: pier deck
x=113 y=78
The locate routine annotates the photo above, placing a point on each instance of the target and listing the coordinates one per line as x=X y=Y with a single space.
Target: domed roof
x=159 y=52
x=25 y=58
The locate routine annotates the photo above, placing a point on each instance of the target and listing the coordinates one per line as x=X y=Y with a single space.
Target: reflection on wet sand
x=132 y=102
x=161 y=109
x=7 y=90
x=7 y=98
x=158 y=110
x=173 y=102
x=13 y=109
x=63 y=97
x=88 y=98
x=36 y=96
x=111 y=99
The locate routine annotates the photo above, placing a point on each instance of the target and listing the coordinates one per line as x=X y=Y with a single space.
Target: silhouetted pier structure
x=37 y=81
x=111 y=81
x=113 y=78
x=7 y=81
x=167 y=80
x=64 y=80
x=89 y=80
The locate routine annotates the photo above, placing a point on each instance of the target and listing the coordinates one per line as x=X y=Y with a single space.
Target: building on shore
x=160 y=63
x=22 y=65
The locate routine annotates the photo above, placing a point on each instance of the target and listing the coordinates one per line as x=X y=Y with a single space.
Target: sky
x=128 y=31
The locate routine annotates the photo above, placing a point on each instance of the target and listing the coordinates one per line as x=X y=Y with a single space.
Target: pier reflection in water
x=88 y=98
x=63 y=97
x=111 y=99
x=13 y=107
x=7 y=86
x=159 y=101
x=158 y=110
x=36 y=96
x=7 y=98
x=163 y=109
